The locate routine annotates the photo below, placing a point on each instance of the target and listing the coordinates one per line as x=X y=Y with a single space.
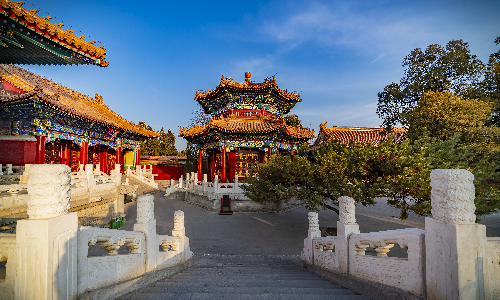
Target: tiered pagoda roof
x=364 y=135
x=247 y=115
x=26 y=38
x=264 y=94
x=19 y=86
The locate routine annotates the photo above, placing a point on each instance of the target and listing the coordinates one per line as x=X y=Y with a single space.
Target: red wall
x=168 y=172
x=17 y=153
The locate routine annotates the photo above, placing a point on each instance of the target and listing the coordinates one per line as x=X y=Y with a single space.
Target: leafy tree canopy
x=400 y=172
x=442 y=114
x=450 y=68
x=164 y=145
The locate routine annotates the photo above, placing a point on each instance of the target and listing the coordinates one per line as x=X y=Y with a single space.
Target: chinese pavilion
x=364 y=135
x=44 y=122
x=246 y=124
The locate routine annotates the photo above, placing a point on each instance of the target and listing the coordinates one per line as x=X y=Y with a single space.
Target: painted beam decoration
x=26 y=38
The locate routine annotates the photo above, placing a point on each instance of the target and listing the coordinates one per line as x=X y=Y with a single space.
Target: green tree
x=167 y=143
x=442 y=114
x=490 y=86
x=451 y=68
x=151 y=145
x=293 y=120
x=400 y=172
x=337 y=170
x=164 y=145
x=408 y=166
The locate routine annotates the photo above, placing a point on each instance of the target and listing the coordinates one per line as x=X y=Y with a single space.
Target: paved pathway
x=268 y=233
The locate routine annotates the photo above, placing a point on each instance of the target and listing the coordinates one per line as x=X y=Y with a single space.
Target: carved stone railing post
x=216 y=184
x=180 y=232
x=454 y=244
x=47 y=241
x=312 y=233
x=118 y=175
x=8 y=170
x=23 y=178
x=1 y=170
x=146 y=223
x=346 y=226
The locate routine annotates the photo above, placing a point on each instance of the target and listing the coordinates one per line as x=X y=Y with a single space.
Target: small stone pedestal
x=455 y=245
x=47 y=241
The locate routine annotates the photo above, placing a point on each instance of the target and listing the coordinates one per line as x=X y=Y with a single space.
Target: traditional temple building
x=364 y=135
x=26 y=38
x=44 y=122
x=246 y=124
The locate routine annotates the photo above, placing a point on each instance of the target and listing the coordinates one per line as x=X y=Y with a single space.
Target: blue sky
x=338 y=54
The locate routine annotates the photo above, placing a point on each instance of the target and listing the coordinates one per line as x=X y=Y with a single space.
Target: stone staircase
x=142 y=188
x=244 y=277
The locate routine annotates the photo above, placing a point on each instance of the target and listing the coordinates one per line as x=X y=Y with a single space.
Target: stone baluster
x=47 y=241
x=146 y=223
x=112 y=244
x=118 y=175
x=23 y=178
x=1 y=171
x=91 y=182
x=346 y=226
x=8 y=170
x=381 y=247
x=97 y=170
x=216 y=184
x=455 y=246
x=181 y=182
x=129 y=171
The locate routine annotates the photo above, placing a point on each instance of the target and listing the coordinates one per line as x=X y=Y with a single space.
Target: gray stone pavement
x=268 y=233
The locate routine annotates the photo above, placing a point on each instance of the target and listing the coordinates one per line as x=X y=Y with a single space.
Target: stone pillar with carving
x=46 y=243
x=146 y=223
x=312 y=233
x=346 y=226
x=455 y=246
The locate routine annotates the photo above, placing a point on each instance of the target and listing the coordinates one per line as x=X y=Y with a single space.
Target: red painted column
x=84 y=153
x=40 y=149
x=137 y=157
x=223 y=171
x=268 y=152
x=212 y=172
x=261 y=156
x=293 y=155
x=119 y=155
x=66 y=153
x=232 y=166
x=200 y=165
x=103 y=159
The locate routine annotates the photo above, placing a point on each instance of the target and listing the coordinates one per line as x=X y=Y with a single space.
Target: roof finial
x=247 y=76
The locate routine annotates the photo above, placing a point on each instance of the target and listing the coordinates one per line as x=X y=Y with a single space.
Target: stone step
x=250 y=290
x=254 y=282
x=245 y=277
x=268 y=296
x=226 y=276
